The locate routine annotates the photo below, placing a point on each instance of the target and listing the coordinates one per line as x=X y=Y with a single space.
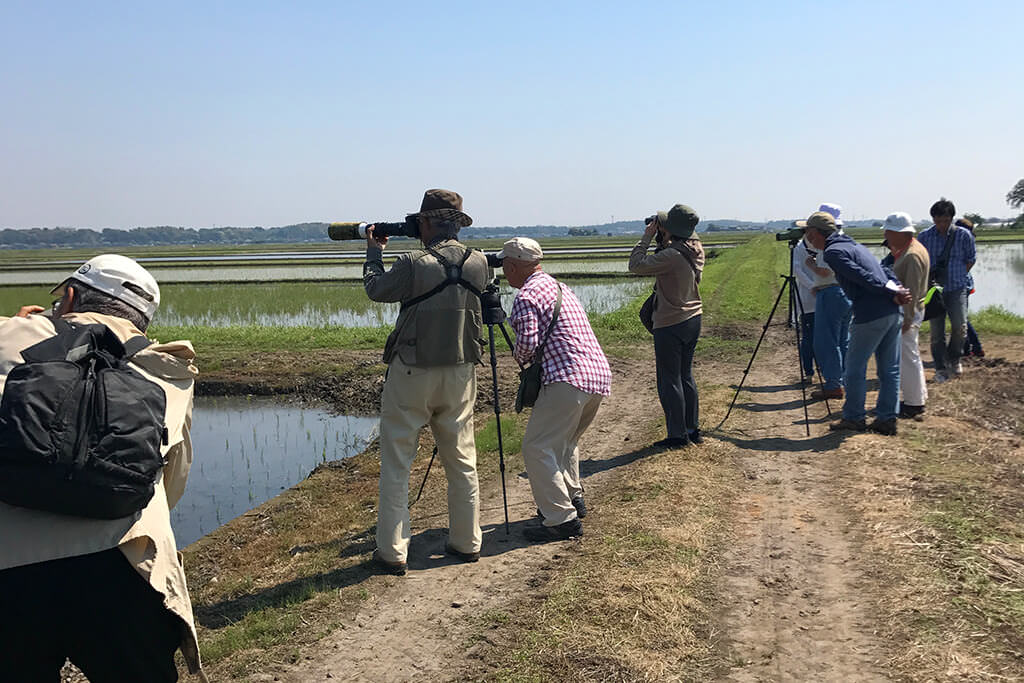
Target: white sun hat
x=899 y=221
x=109 y=273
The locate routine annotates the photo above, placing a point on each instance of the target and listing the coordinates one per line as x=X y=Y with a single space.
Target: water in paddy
x=322 y=304
x=246 y=451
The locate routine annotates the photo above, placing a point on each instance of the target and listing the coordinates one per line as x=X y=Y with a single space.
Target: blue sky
x=258 y=113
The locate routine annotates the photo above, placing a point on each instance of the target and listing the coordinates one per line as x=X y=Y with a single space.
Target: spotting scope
x=357 y=230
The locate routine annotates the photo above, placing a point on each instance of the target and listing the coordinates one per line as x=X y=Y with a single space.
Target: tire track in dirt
x=421 y=626
x=799 y=601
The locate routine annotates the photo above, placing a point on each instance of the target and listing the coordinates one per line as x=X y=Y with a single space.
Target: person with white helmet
x=107 y=593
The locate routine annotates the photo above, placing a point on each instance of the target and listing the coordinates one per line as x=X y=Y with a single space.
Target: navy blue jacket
x=862 y=278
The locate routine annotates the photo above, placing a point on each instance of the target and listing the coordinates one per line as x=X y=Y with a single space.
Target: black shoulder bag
x=530 y=376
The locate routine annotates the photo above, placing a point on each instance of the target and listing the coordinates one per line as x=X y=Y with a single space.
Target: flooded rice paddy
x=248 y=450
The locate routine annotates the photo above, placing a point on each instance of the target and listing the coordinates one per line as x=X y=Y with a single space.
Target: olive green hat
x=444 y=204
x=819 y=220
x=680 y=220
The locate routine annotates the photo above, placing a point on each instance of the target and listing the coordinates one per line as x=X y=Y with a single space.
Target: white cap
x=109 y=273
x=521 y=249
x=833 y=210
x=899 y=222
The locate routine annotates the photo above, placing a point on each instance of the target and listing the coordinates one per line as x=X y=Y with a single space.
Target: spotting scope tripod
x=795 y=305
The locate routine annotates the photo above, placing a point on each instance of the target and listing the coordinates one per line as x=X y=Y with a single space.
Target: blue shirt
x=863 y=279
x=961 y=252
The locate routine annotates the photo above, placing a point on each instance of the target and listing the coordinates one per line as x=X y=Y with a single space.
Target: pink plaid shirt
x=572 y=353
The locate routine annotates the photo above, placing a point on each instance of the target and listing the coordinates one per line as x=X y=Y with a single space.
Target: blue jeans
x=946 y=356
x=807 y=343
x=831 y=334
x=880 y=337
x=673 y=355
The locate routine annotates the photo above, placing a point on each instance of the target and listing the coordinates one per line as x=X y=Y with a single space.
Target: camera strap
x=452 y=276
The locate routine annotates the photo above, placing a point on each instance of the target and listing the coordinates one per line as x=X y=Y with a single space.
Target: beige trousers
x=443 y=398
x=912 y=383
x=559 y=418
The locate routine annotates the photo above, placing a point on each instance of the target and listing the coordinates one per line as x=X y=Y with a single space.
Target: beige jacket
x=676 y=282
x=30 y=536
x=912 y=270
x=445 y=329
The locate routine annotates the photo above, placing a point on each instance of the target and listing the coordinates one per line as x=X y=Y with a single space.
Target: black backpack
x=80 y=429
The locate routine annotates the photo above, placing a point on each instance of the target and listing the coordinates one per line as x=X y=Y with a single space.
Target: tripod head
x=490 y=305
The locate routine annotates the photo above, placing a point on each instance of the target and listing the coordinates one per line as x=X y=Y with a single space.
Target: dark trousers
x=95 y=610
x=673 y=355
x=973 y=344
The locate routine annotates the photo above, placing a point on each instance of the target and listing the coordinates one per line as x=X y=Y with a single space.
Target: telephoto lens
x=347 y=231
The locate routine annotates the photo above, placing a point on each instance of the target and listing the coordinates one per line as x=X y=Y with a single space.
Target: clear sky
x=118 y=114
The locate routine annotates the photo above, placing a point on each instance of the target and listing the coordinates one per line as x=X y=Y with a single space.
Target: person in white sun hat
x=909 y=261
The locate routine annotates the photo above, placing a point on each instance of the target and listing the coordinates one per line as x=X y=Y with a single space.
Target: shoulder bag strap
x=538 y=355
x=944 y=256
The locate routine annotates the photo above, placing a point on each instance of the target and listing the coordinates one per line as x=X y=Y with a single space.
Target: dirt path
x=419 y=629
x=797 y=594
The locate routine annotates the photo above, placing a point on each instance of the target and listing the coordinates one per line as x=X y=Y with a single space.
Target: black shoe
x=465 y=557
x=695 y=437
x=671 y=442
x=393 y=568
x=884 y=427
x=560 y=532
x=848 y=425
x=581 y=507
x=909 y=412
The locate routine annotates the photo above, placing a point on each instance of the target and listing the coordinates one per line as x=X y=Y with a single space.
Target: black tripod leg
x=764 y=331
x=790 y=281
x=497 y=416
x=424 y=483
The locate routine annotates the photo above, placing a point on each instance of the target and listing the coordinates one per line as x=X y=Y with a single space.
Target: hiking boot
x=581 y=507
x=671 y=442
x=560 y=532
x=826 y=394
x=695 y=437
x=848 y=425
x=388 y=567
x=909 y=412
x=465 y=557
x=884 y=427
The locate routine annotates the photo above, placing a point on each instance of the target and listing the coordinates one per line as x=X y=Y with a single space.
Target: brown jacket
x=677 y=282
x=447 y=328
x=30 y=536
x=912 y=270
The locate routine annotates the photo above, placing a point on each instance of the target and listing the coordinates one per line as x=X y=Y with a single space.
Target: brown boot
x=819 y=394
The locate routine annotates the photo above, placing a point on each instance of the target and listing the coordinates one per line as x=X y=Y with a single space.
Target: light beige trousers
x=443 y=398
x=559 y=418
x=912 y=383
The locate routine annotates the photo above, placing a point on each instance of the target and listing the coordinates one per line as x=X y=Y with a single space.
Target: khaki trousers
x=559 y=418
x=443 y=398
x=912 y=383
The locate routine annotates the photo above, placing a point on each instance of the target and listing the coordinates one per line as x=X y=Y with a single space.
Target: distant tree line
x=162 y=235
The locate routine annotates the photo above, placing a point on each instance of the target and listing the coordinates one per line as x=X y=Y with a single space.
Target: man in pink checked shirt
x=575 y=378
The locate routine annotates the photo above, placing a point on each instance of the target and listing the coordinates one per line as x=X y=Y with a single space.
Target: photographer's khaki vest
x=446 y=328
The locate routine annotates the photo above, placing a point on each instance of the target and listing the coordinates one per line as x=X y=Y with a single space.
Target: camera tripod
x=795 y=305
x=493 y=316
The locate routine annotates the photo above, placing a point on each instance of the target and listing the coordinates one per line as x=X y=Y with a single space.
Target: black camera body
x=490 y=304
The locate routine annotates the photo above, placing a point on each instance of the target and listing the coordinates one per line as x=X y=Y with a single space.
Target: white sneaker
x=940 y=377
x=959 y=369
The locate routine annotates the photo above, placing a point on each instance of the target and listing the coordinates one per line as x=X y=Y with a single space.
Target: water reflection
x=247 y=451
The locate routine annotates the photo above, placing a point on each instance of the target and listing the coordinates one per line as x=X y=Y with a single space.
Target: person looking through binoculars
x=676 y=267
x=431 y=378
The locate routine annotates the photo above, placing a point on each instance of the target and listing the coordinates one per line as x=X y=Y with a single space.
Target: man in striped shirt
x=575 y=378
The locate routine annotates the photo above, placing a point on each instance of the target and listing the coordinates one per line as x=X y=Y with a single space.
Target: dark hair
x=91 y=300
x=943 y=207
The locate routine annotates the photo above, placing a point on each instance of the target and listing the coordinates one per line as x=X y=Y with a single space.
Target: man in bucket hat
x=431 y=378
x=876 y=296
x=909 y=261
x=109 y=594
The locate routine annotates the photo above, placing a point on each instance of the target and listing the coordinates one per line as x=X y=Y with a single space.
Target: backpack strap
x=453 y=276
x=136 y=344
